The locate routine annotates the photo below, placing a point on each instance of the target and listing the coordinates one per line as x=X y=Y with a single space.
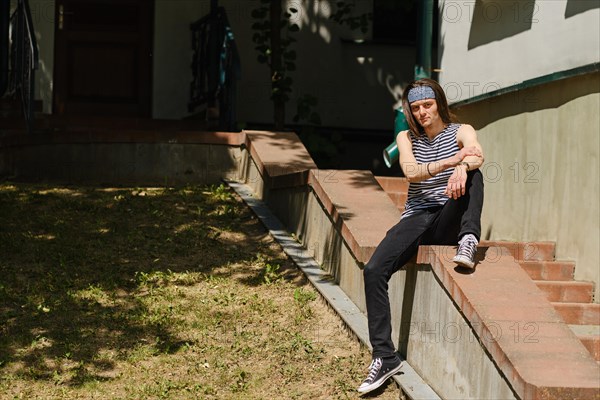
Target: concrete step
x=546 y=359
x=525 y=251
x=592 y=343
x=357 y=205
x=567 y=291
x=392 y=184
x=579 y=313
x=399 y=199
x=549 y=270
x=396 y=189
x=590 y=337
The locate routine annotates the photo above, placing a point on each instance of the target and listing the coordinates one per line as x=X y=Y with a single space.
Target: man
x=441 y=160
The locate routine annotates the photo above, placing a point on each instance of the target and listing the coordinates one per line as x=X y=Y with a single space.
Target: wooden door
x=103 y=57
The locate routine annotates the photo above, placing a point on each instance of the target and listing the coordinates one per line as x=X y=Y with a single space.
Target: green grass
x=158 y=293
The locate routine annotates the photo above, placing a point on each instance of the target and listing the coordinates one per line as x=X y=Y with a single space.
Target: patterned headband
x=420 y=93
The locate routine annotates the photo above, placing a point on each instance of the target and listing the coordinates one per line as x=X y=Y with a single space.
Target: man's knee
x=475 y=176
x=372 y=272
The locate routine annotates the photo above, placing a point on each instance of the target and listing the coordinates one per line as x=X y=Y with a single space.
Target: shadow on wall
x=548 y=96
x=497 y=20
x=575 y=7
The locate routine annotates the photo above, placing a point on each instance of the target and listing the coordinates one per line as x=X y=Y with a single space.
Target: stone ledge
x=125 y=136
x=280 y=157
x=392 y=184
x=527 y=339
x=358 y=206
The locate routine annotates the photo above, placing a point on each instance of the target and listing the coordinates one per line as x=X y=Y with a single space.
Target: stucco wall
x=542 y=168
x=492 y=44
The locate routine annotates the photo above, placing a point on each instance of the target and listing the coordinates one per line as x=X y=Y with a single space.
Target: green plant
x=303 y=296
x=273 y=38
x=271 y=274
x=344 y=15
x=305 y=110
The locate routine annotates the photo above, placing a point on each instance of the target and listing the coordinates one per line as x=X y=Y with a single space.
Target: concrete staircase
x=572 y=299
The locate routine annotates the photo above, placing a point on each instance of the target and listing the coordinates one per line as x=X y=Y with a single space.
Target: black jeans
x=442 y=225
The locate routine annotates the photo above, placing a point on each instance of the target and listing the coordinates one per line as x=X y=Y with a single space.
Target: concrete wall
x=491 y=44
x=122 y=164
x=357 y=85
x=542 y=168
x=541 y=144
x=443 y=348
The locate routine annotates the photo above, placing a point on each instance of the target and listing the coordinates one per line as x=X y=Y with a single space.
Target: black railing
x=4 y=29
x=215 y=69
x=23 y=60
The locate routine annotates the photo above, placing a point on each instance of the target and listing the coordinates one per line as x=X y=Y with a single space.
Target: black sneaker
x=466 y=251
x=379 y=371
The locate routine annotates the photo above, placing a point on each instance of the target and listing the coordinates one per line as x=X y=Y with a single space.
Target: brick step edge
x=578 y=313
x=399 y=200
x=549 y=270
x=567 y=292
x=592 y=343
x=391 y=184
x=525 y=251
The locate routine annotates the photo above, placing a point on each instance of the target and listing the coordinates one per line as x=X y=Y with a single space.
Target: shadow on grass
x=80 y=266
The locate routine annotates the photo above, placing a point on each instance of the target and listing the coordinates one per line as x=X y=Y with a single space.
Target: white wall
x=172 y=55
x=356 y=85
x=561 y=34
x=42 y=15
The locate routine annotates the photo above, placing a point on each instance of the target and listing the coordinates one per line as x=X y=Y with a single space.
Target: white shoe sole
x=380 y=381
x=464 y=262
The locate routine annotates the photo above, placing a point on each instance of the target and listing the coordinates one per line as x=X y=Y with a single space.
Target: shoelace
x=467 y=248
x=374 y=369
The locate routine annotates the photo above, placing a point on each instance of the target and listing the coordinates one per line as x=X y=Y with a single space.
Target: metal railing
x=215 y=68
x=24 y=60
x=4 y=29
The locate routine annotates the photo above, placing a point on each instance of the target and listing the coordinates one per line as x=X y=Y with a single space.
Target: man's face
x=425 y=112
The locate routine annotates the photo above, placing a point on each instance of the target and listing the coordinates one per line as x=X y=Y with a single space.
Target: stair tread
x=586 y=330
x=500 y=293
x=575 y=304
x=568 y=291
x=546 y=262
x=534 y=250
x=565 y=283
x=549 y=270
x=578 y=313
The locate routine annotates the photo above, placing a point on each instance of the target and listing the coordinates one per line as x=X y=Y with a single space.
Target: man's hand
x=458 y=182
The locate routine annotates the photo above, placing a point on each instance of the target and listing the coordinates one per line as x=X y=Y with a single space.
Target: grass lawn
x=159 y=293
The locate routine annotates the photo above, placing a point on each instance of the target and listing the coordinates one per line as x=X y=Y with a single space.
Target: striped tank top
x=430 y=192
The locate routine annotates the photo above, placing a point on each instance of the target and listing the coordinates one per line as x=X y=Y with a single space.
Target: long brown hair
x=440 y=98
